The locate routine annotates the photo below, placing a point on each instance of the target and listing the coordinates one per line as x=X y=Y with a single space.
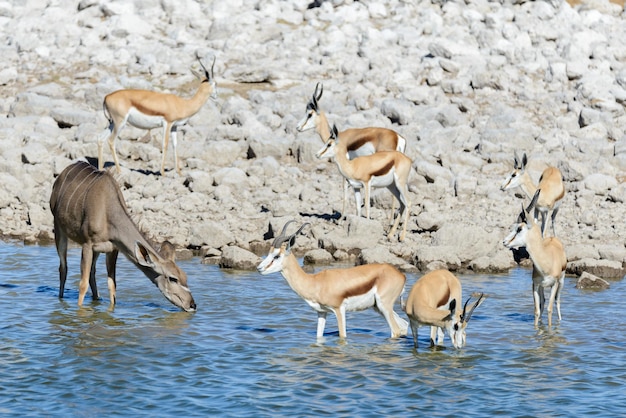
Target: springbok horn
x=466 y=316
x=533 y=202
x=281 y=237
x=292 y=238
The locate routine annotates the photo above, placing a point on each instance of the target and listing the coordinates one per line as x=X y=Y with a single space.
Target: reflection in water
x=251 y=350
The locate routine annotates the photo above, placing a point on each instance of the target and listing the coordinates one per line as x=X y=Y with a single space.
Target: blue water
x=250 y=350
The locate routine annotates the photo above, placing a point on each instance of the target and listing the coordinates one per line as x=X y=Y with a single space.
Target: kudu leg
x=85 y=272
x=92 y=277
x=111 y=262
x=60 y=239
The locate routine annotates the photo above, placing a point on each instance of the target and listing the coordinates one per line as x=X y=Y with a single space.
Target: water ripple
x=251 y=350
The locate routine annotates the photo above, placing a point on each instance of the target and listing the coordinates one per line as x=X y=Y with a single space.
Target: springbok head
x=514 y=178
x=458 y=330
x=207 y=76
x=279 y=251
x=310 y=118
x=328 y=149
x=518 y=234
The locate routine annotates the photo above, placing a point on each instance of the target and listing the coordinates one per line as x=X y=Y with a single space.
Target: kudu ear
x=144 y=255
x=168 y=251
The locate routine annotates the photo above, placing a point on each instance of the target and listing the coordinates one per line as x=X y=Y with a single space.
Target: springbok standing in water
x=89 y=208
x=548 y=256
x=375 y=286
x=145 y=109
x=433 y=300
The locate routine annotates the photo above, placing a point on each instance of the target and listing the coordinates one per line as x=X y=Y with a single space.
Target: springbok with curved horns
x=550 y=184
x=548 y=256
x=375 y=286
x=359 y=142
x=390 y=169
x=433 y=301
x=147 y=109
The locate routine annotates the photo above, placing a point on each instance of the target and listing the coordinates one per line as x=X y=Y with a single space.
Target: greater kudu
x=89 y=208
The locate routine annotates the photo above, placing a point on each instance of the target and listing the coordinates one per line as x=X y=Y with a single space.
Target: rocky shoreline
x=467 y=83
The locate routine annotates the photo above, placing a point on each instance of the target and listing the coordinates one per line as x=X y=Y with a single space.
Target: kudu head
x=518 y=235
x=207 y=76
x=458 y=329
x=312 y=112
x=279 y=251
x=514 y=178
x=165 y=274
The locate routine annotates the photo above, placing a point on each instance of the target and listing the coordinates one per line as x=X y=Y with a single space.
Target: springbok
x=375 y=286
x=433 y=301
x=388 y=169
x=550 y=184
x=359 y=142
x=548 y=256
x=89 y=208
x=147 y=109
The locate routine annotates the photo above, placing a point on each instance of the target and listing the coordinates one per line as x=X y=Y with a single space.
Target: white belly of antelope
x=384 y=180
x=139 y=120
x=360 y=302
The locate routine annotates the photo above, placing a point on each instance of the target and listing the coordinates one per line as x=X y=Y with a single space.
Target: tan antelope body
x=434 y=300
x=550 y=184
x=89 y=208
x=375 y=286
x=549 y=260
x=390 y=169
x=358 y=142
x=147 y=109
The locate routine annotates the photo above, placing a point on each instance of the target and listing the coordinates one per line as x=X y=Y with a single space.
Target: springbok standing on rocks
x=375 y=286
x=147 y=109
x=548 y=256
x=358 y=142
x=88 y=208
x=433 y=300
x=550 y=184
x=388 y=169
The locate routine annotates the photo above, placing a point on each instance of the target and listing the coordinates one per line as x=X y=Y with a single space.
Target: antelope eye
x=173 y=279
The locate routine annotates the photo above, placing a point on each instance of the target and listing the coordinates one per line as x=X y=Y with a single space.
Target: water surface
x=250 y=350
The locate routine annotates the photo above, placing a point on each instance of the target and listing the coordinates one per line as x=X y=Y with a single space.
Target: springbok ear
x=452 y=306
x=516 y=162
x=197 y=74
x=319 y=89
